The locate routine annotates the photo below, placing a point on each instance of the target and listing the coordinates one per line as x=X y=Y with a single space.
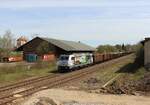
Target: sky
x=93 y=22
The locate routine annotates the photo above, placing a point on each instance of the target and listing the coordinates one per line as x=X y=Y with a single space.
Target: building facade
x=146 y=44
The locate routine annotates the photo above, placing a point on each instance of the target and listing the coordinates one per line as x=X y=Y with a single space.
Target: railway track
x=25 y=82
x=42 y=83
x=9 y=89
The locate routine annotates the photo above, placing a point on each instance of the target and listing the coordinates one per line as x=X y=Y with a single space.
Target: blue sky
x=91 y=21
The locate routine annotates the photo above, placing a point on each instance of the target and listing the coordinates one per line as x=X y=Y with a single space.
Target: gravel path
x=70 y=97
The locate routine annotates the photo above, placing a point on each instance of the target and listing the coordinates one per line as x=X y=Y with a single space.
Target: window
x=64 y=58
x=73 y=58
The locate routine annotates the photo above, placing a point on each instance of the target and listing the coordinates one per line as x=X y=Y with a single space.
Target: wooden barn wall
x=31 y=47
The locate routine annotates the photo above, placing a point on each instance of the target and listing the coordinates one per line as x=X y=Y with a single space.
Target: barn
x=52 y=48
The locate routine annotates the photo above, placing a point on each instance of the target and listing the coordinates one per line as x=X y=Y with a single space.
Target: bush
x=139 y=55
x=42 y=65
x=10 y=73
x=106 y=49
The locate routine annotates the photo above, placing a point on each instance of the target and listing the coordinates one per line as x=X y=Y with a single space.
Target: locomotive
x=69 y=62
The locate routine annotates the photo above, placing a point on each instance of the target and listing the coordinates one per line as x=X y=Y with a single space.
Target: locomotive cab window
x=73 y=58
x=64 y=57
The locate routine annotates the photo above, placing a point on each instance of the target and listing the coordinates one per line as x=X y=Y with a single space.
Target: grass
x=107 y=73
x=126 y=69
x=140 y=72
x=19 y=72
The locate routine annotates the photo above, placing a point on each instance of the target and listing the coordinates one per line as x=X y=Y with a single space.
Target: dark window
x=73 y=58
x=64 y=57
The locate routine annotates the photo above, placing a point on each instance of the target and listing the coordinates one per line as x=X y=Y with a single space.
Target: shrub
x=139 y=55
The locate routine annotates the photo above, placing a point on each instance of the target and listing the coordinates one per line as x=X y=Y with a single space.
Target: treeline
x=137 y=48
x=116 y=48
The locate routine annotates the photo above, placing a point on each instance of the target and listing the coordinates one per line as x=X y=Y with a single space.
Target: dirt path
x=70 y=97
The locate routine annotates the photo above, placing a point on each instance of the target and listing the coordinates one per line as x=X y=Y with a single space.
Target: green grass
x=12 y=74
x=126 y=69
x=140 y=72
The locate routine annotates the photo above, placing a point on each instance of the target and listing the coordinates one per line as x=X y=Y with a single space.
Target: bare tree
x=7 y=40
x=6 y=43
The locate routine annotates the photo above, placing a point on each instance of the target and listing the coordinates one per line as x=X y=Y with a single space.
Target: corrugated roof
x=63 y=44
x=69 y=45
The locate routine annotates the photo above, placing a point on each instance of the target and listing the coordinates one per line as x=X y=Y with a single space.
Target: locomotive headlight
x=58 y=63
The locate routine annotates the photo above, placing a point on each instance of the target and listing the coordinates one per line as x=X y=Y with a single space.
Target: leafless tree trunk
x=6 y=43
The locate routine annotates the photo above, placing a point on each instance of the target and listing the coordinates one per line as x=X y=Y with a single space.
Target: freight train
x=69 y=62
